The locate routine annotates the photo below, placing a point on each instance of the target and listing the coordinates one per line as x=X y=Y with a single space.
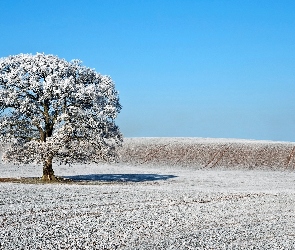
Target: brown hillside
x=209 y=153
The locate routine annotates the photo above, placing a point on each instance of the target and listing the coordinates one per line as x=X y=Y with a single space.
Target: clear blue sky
x=199 y=68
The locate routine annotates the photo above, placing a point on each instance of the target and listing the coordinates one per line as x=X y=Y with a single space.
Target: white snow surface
x=145 y=206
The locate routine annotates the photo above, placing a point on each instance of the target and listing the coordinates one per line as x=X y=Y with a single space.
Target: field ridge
x=209 y=153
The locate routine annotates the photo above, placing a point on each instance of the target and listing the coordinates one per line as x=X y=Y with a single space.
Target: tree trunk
x=48 y=173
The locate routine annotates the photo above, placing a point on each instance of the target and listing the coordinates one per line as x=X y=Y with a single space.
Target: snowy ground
x=128 y=206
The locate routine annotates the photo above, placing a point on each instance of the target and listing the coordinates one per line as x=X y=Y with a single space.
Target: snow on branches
x=55 y=109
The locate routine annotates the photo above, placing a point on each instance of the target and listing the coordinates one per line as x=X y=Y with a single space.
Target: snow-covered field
x=147 y=204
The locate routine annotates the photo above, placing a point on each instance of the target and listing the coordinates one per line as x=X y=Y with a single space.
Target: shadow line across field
x=121 y=177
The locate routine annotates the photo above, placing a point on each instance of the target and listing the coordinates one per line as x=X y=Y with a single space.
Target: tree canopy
x=55 y=110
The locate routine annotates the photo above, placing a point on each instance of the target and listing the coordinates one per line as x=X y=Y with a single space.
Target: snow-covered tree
x=52 y=110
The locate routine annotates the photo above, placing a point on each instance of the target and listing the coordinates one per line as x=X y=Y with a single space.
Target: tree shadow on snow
x=120 y=177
